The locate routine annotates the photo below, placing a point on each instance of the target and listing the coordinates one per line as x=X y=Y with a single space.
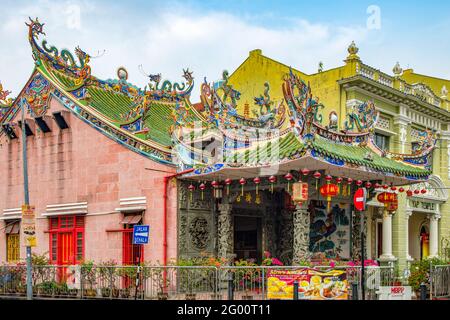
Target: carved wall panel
x=196 y=222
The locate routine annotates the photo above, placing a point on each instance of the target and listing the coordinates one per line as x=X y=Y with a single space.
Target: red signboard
x=389 y=199
x=359 y=199
x=386 y=197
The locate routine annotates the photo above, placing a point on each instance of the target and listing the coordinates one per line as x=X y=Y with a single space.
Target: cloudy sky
x=210 y=36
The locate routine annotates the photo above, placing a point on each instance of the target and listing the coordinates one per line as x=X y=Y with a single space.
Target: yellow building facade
x=408 y=103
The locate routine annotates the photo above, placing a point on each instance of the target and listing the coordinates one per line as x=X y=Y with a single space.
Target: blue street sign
x=141 y=234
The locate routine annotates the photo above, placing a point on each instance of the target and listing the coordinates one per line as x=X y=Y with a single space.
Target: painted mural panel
x=330 y=231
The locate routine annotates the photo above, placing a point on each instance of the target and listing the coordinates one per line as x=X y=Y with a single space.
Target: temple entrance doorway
x=248 y=238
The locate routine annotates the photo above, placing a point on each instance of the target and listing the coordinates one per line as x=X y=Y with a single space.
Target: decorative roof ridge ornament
x=444 y=92
x=364 y=117
x=61 y=61
x=167 y=90
x=4 y=100
x=397 y=70
x=352 y=52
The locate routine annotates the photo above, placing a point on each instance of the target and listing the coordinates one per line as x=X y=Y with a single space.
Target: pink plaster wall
x=81 y=164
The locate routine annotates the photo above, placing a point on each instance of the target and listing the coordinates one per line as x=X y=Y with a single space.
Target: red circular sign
x=359 y=199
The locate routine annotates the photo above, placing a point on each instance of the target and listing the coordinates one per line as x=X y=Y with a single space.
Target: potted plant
x=161 y=282
x=106 y=292
x=247 y=277
x=73 y=292
x=125 y=293
x=88 y=276
x=47 y=288
x=106 y=271
x=62 y=290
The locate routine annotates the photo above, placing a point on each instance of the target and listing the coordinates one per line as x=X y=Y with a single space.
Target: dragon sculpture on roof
x=62 y=61
x=5 y=102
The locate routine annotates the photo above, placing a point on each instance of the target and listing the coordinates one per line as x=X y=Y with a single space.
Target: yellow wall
x=435 y=84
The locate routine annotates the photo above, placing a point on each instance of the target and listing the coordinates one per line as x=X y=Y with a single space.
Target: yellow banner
x=312 y=284
x=29 y=225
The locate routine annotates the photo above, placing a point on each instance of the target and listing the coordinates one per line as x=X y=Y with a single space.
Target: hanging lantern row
x=304 y=172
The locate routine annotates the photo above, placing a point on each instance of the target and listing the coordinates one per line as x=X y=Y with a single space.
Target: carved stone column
x=356 y=236
x=301 y=234
x=408 y=213
x=434 y=238
x=225 y=232
x=387 y=255
x=286 y=233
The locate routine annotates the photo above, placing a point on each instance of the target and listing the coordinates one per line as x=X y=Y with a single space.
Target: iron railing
x=171 y=282
x=440 y=281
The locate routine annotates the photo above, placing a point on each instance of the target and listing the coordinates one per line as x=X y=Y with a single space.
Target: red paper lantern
x=339 y=181
x=242 y=181
x=305 y=172
x=359 y=183
x=317 y=175
x=401 y=190
x=215 y=184
x=202 y=187
x=349 y=182
x=385 y=186
x=272 y=180
x=416 y=191
x=368 y=184
x=191 y=189
x=228 y=181
x=423 y=191
x=289 y=177
x=328 y=191
x=393 y=188
x=257 y=181
x=376 y=185
x=328 y=178
x=409 y=193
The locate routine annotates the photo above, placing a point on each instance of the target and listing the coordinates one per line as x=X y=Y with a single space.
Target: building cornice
x=393 y=96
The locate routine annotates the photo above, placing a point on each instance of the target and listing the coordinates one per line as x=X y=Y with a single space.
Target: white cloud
x=168 y=40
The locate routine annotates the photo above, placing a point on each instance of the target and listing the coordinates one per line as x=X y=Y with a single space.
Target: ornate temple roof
x=291 y=135
x=160 y=122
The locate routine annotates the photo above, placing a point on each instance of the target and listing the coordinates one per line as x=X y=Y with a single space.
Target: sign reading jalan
x=141 y=234
x=29 y=225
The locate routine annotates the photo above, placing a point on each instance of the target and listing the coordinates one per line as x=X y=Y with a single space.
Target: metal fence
x=440 y=282
x=251 y=282
x=171 y=282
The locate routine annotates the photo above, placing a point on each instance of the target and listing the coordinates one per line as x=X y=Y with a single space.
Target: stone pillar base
x=387 y=258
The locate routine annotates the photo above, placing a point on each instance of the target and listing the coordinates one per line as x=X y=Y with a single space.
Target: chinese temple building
x=274 y=169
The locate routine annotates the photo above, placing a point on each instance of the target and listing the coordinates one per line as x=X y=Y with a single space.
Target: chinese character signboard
x=29 y=225
x=312 y=284
x=300 y=191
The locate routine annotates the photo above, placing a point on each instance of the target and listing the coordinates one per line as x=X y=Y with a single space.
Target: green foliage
x=420 y=271
x=40 y=260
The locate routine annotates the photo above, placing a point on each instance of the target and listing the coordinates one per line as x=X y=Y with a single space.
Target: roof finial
x=397 y=70
x=444 y=92
x=352 y=51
